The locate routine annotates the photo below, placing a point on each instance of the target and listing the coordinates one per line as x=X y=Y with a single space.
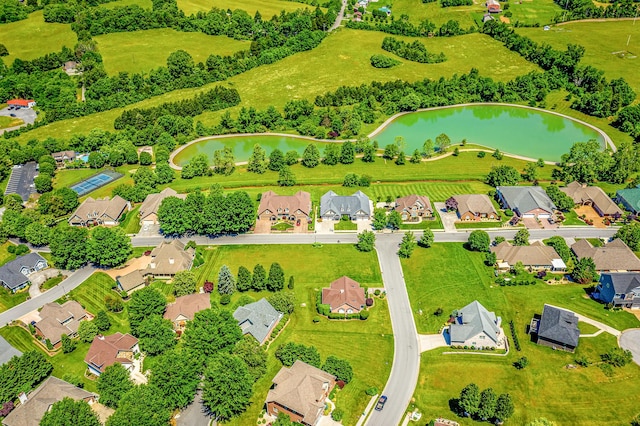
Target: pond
x=511 y=129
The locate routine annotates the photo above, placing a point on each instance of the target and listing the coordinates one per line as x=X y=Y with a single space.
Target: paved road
x=630 y=340
x=339 y=17
x=406 y=356
x=194 y=414
x=73 y=281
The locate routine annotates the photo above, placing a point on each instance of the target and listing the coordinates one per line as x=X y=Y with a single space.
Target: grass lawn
x=131 y=223
x=51 y=282
x=419 y=11
x=146 y=4
x=267 y=8
x=586 y=328
x=424 y=224
x=472 y=225
x=345 y=225
x=9 y=300
x=9 y=122
x=141 y=51
x=605 y=53
x=571 y=218
x=67 y=177
x=371 y=367
x=32 y=38
x=448 y=276
x=533 y=11
x=5 y=256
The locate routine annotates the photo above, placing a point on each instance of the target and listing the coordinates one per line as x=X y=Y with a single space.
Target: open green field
x=448 y=276
x=418 y=12
x=146 y=4
x=332 y=64
x=533 y=11
x=314 y=268
x=605 y=53
x=131 y=223
x=267 y=8
x=141 y=51
x=32 y=37
x=9 y=122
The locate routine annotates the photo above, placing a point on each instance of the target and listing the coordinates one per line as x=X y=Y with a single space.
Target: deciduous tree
x=143 y=405
x=479 y=241
x=407 y=245
x=521 y=238
x=68 y=412
x=211 y=331
x=87 y=330
x=108 y=246
x=257 y=161
x=227 y=386
x=469 y=400
x=144 y=303
x=156 y=335
x=366 y=241
x=340 y=368
x=184 y=282
x=175 y=375
x=254 y=356
x=112 y=384
x=427 y=238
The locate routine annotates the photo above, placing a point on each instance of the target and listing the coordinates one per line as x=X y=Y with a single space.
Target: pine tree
x=276 y=278
x=244 y=279
x=291 y=283
x=310 y=156
x=259 y=281
x=226 y=282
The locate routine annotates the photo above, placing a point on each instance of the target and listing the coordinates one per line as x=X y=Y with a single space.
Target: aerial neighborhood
x=357 y=212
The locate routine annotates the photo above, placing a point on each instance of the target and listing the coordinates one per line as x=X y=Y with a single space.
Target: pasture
x=267 y=8
x=419 y=11
x=533 y=11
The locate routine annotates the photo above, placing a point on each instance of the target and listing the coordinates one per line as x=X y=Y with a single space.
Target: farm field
x=605 y=53
x=267 y=8
x=141 y=51
x=449 y=276
x=419 y=11
x=146 y=4
x=32 y=37
x=534 y=11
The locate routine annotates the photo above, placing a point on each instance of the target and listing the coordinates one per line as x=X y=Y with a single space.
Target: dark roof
x=559 y=325
x=21 y=180
x=7 y=351
x=526 y=198
x=622 y=282
x=10 y=273
x=344 y=204
x=257 y=319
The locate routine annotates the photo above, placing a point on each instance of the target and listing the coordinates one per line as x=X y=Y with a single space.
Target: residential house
x=594 y=196
x=535 y=256
x=615 y=256
x=21 y=103
x=334 y=206
x=257 y=319
x=344 y=296
x=475 y=207
x=185 y=308
x=101 y=211
x=34 y=405
x=629 y=198
x=357 y=16
x=556 y=328
x=413 y=208
x=7 y=351
x=621 y=289
x=475 y=326
x=131 y=282
x=300 y=392
x=14 y=275
x=107 y=350
x=169 y=258
x=71 y=68
x=493 y=6
x=57 y=320
x=487 y=17
x=288 y=208
x=527 y=201
x=149 y=207
x=63 y=157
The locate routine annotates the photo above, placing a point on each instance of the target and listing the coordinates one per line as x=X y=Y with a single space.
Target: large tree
x=407 y=245
x=276 y=160
x=286 y=177
x=503 y=176
x=23 y=373
x=311 y=156
x=226 y=281
x=108 y=246
x=227 y=386
x=113 y=384
x=184 y=282
x=487 y=406
x=366 y=241
x=37 y=234
x=87 y=330
x=175 y=374
x=68 y=412
x=257 y=161
x=259 y=279
x=102 y=321
x=244 y=279
x=584 y=271
x=341 y=368
x=479 y=241
x=211 y=331
x=585 y=162
x=630 y=234
x=254 y=356
x=504 y=407
x=347 y=153
x=469 y=400
x=521 y=238
x=68 y=247
x=156 y=335
x=144 y=303
x=291 y=352
x=275 y=282
x=560 y=199
x=427 y=238
x=143 y=405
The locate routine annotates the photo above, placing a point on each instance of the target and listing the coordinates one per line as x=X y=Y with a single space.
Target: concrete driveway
x=149 y=231
x=449 y=219
x=431 y=341
x=630 y=340
x=195 y=414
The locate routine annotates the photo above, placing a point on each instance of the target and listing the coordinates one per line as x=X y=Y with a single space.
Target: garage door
x=528 y=216
x=148 y=222
x=544 y=216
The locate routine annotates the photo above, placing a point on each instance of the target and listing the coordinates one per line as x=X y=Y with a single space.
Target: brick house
x=344 y=296
x=185 y=307
x=101 y=211
x=593 y=196
x=107 y=350
x=475 y=207
x=414 y=207
x=528 y=202
x=289 y=208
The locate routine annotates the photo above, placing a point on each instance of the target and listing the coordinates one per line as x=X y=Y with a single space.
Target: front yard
x=448 y=276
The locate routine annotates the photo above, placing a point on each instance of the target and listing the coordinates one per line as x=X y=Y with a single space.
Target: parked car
x=12 y=115
x=381 y=402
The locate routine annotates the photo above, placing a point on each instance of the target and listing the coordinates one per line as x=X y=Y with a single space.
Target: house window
x=275 y=410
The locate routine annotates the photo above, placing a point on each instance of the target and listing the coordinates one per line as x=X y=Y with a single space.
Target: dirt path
x=594 y=20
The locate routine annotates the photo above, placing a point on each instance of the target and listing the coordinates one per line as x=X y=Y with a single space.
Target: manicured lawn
x=586 y=328
x=471 y=225
x=424 y=224
x=5 y=256
x=571 y=218
x=146 y=4
x=267 y=8
x=67 y=177
x=314 y=268
x=141 y=51
x=9 y=122
x=450 y=277
x=50 y=283
x=131 y=223
x=282 y=226
x=9 y=300
x=419 y=11
x=534 y=11
x=32 y=38
x=345 y=225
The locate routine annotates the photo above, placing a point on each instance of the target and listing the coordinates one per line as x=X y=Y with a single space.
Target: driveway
x=195 y=414
x=25 y=114
x=38 y=278
x=630 y=340
x=590 y=213
x=531 y=223
x=149 y=231
x=263 y=226
x=363 y=225
x=431 y=341
x=449 y=219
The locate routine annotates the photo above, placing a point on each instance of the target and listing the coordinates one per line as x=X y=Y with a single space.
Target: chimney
x=152 y=265
x=23 y=398
x=341 y=290
x=100 y=336
x=171 y=261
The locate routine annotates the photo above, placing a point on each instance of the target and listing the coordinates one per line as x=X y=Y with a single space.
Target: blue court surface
x=94 y=182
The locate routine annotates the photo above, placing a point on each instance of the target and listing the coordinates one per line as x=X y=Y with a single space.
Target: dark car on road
x=381 y=402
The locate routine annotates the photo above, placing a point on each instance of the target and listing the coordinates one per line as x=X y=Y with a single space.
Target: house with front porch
x=620 y=289
x=344 y=296
x=14 y=275
x=107 y=350
x=168 y=259
x=528 y=202
x=475 y=207
x=615 y=256
x=101 y=211
x=288 y=208
x=355 y=207
x=594 y=196
x=536 y=256
x=414 y=208
x=475 y=326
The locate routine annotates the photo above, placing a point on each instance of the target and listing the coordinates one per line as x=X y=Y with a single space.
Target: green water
x=510 y=129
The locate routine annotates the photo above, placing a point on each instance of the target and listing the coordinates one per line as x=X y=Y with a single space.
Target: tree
x=487 y=406
x=113 y=384
x=560 y=199
x=102 y=321
x=286 y=177
x=244 y=279
x=276 y=160
x=379 y=219
x=504 y=407
x=407 y=245
x=108 y=246
x=22 y=373
x=584 y=271
x=390 y=151
x=145 y=159
x=502 y=176
x=282 y=302
x=394 y=220
x=530 y=172
x=521 y=238
x=427 y=238
x=469 y=401
x=443 y=142
x=68 y=247
x=227 y=386
x=291 y=158
x=276 y=277
x=68 y=345
x=479 y=241
x=490 y=258
x=37 y=234
x=369 y=154
x=144 y=303
x=87 y=330
x=152 y=411
x=156 y=335
x=184 y=282
x=259 y=280
x=257 y=161
x=43 y=183
x=339 y=368
x=224 y=162
x=585 y=162
x=350 y=180
x=521 y=363
x=180 y=63
x=197 y=166
x=68 y=412
x=226 y=282
x=175 y=375
x=254 y=356
x=3 y=50
x=617 y=357
x=630 y=234
x=416 y=157
x=311 y=156
x=366 y=241
x=211 y=331
x=291 y=352
x=164 y=173
x=331 y=154
x=347 y=153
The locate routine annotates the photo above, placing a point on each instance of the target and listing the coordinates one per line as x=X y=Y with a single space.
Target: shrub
x=481 y=154
x=364 y=314
x=337 y=414
x=521 y=363
x=582 y=361
x=508 y=213
x=316 y=319
x=369 y=301
x=113 y=304
x=514 y=334
x=225 y=299
x=207 y=287
x=377 y=292
x=371 y=391
x=383 y=61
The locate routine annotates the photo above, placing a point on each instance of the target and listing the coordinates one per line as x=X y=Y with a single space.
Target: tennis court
x=94 y=182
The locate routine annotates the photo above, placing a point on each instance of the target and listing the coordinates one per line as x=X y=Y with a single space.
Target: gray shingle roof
x=344 y=204
x=559 y=325
x=257 y=319
x=526 y=198
x=10 y=274
x=623 y=282
x=7 y=351
x=472 y=320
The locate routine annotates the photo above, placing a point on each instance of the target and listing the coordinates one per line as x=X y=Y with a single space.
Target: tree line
x=403 y=27
x=585 y=9
x=414 y=51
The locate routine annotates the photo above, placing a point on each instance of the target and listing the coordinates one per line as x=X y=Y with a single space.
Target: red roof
x=20 y=102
